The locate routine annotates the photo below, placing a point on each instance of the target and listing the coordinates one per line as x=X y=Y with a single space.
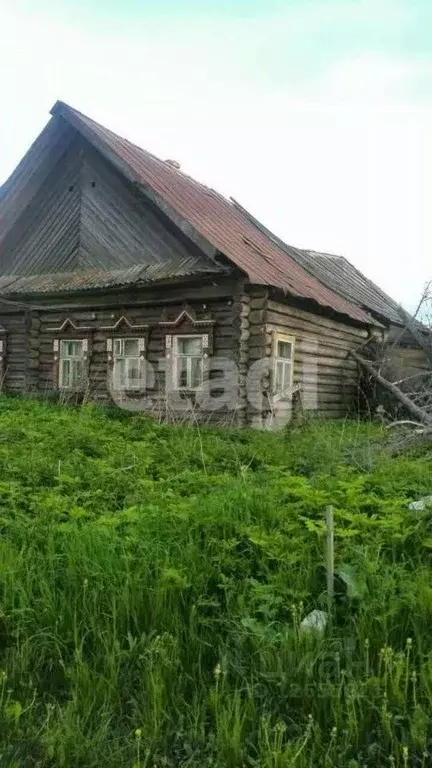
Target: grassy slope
x=152 y=581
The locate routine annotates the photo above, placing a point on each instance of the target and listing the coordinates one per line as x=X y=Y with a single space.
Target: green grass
x=153 y=580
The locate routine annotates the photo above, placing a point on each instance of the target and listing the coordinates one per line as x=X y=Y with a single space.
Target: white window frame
x=284 y=339
x=72 y=358
x=175 y=358
x=113 y=357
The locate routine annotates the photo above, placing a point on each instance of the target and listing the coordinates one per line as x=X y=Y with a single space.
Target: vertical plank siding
x=85 y=215
x=120 y=228
x=15 y=377
x=46 y=238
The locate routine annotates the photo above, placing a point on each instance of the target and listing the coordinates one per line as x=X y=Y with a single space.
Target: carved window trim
x=123 y=320
x=68 y=323
x=86 y=350
x=187 y=316
x=142 y=350
x=175 y=386
x=77 y=333
x=186 y=324
x=171 y=360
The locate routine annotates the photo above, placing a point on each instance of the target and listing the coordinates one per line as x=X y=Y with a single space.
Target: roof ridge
x=60 y=106
x=207 y=218
x=362 y=274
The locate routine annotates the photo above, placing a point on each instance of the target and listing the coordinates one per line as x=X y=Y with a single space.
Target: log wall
x=30 y=365
x=326 y=376
x=402 y=362
x=245 y=320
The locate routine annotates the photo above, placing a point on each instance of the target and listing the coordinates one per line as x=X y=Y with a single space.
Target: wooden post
x=329 y=552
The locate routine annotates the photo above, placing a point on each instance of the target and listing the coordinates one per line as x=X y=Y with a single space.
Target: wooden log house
x=123 y=278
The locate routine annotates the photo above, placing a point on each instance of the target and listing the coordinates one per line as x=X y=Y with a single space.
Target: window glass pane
x=71 y=348
x=287 y=376
x=284 y=349
x=196 y=371
x=133 y=370
x=118 y=347
x=131 y=347
x=189 y=346
x=71 y=372
x=64 y=373
x=76 y=373
x=279 y=377
x=119 y=373
x=182 y=372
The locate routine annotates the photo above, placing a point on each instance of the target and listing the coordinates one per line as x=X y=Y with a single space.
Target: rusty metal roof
x=59 y=282
x=338 y=274
x=212 y=217
x=344 y=278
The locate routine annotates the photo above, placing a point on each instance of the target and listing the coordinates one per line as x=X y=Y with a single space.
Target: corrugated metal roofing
x=59 y=282
x=341 y=276
x=213 y=218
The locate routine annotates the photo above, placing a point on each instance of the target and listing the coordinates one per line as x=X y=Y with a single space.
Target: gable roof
x=215 y=223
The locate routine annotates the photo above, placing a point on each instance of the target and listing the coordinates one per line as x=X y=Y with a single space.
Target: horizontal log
x=327 y=364
x=321 y=322
x=320 y=386
x=258 y=302
x=307 y=352
x=302 y=328
x=257 y=317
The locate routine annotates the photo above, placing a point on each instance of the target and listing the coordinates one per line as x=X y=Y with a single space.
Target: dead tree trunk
x=419 y=413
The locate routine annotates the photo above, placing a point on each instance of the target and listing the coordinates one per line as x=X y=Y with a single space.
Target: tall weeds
x=153 y=581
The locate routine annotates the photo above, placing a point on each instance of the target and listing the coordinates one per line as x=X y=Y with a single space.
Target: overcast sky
x=316 y=115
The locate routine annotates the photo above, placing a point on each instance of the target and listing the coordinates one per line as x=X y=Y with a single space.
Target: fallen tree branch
x=407 y=423
x=419 y=413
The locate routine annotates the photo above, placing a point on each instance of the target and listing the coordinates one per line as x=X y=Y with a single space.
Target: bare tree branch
x=406 y=401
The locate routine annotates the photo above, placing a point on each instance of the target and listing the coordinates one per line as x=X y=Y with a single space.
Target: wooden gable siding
x=46 y=237
x=119 y=227
x=19 y=190
x=85 y=215
x=15 y=368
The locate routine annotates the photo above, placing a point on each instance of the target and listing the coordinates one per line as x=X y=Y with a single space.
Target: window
x=71 y=363
x=188 y=368
x=127 y=371
x=283 y=365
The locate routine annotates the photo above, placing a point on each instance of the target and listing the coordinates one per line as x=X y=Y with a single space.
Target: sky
x=316 y=115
